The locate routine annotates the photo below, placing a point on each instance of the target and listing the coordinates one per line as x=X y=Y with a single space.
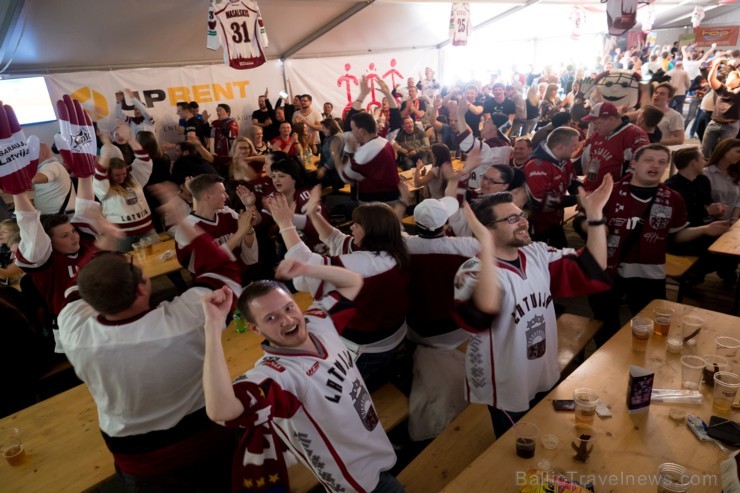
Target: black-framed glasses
x=512 y=219
x=491 y=181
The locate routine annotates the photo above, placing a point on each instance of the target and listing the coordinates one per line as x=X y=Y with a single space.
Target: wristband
x=250 y=233
x=600 y=222
x=287 y=228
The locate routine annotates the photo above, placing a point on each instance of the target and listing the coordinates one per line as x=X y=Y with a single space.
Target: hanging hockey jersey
x=242 y=33
x=459 y=24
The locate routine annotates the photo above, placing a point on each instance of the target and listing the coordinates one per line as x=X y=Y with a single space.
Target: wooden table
x=627 y=446
x=729 y=244
x=155 y=265
x=64 y=449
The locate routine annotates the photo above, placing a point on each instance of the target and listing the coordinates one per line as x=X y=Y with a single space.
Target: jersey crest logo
x=536 y=341
x=273 y=363
x=660 y=215
x=364 y=405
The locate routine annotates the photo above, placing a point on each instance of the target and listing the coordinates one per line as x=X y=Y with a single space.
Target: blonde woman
x=121 y=191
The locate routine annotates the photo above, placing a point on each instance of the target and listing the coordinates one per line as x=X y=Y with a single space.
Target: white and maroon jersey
x=433 y=265
x=381 y=306
x=129 y=212
x=320 y=407
x=221 y=229
x=224 y=132
x=548 y=180
x=373 y=168
x=242 y=33
x=624 y=210
x=145 y=373
x=610 y=154
x=493 y=151
x=53 y=272
x=459 y=24
x=514 y=354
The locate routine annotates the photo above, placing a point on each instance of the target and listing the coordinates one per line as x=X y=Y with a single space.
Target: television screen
x=30 y=99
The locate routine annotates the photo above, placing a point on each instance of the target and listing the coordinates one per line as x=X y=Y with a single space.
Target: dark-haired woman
x=434 y=179
x=377 y=251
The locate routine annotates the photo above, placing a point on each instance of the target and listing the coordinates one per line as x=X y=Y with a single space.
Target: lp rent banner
x=336 y=79
x=160 y=89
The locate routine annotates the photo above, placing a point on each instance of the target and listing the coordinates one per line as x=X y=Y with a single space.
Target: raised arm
x=593 y=204
x=487 y=293
x=364 y=91
x=712 y=77
x=221 y=402
x=346 y=282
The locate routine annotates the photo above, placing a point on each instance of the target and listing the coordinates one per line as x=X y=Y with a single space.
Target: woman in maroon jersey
x=376 y=250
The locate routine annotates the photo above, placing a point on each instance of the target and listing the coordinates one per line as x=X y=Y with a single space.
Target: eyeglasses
x=512 y=219
x=491 y=181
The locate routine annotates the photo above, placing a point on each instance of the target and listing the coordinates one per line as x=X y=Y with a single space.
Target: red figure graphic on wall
x=372 y=75
x=393 y=73
x=347 y=79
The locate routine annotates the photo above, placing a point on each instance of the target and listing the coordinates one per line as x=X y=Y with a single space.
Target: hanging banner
x=336 y=79
x=160 y=89
x=722 y=35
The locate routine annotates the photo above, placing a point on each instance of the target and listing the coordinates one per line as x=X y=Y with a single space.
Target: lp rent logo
x=202 y=93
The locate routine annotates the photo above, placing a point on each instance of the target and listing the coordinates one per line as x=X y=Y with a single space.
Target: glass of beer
x=642 y=327
x=12 y=446
x=586 y=401
x=662 y=317
x=725 y=389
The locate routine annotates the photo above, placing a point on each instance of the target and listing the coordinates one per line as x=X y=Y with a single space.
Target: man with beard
x=505 y=295
x=309 y=117
x=264 y=116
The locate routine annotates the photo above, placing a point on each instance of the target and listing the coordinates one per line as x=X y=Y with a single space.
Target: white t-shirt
x=49 y=196
x=680 y=80
x=724 y=189
x=672 y=121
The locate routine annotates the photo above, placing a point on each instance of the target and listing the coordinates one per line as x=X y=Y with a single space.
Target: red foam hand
x=18 y=156
x=76 y=138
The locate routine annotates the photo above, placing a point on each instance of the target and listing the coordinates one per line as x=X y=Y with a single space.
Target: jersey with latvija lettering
x=321 y=408
x=242 y=33
x=514 y=355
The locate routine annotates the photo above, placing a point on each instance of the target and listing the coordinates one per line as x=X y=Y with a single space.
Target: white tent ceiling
x=62 y=35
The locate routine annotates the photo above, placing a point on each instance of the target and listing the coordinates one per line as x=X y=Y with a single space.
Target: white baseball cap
x=432 y=214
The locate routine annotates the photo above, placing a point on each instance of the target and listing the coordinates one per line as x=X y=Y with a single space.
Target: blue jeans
x=388 y=484
x=716 y=133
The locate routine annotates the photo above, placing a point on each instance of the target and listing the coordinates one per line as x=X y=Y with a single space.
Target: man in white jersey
x=305 y=391
x=507 y=302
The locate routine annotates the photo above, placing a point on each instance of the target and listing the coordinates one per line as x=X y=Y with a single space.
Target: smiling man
x=306 y=391
x=643 y=215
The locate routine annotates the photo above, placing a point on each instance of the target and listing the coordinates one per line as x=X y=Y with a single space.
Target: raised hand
x=480 y=231
x=314 y=200
x=246 y=196
x=281 y=212
x=76 y=140
x=216 y=307
x=594 y=202
x=18 y=156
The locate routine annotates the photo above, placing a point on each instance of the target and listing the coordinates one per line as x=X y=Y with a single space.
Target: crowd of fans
x=500 y=162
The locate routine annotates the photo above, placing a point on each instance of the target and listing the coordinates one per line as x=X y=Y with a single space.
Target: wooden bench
x=471 y=433
x=676 y=267
x=392 y=407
